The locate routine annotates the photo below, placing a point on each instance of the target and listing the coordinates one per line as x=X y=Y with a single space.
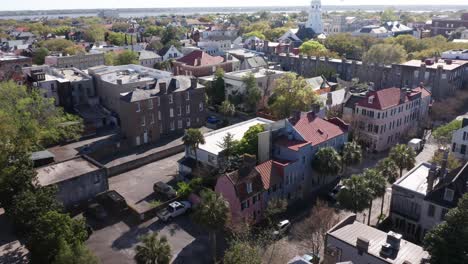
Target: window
x=179 y=124
x=172 y=125
x=200 y=107
x=464 y=135
x=171 y=99
x=143 y=121
x=255 y=198
x=138 y=107
x=179 y=112
x=448 y=195
x=159 y=115
x=188 y=122
x=431 y=210
x=159 y=100
x=150 y=104
x=463 y=149
x=187 y=109
x=171 y=112
x=152 y=118
x=443 y=213
x=187 y=97
x=97 y=178
x=245 y=204
x=249 y=187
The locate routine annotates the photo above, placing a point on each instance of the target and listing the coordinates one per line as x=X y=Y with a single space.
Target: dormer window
x=448 y=195
x=249 y=187
x=370 y=100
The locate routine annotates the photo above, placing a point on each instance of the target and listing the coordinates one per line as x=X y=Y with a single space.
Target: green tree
x=443 y=134
x=116 y=38
x=257 y=34
x=213 y=214
x=39 y=55
x=50 y=231
x=376 y=185
x=452 y=161
x=355 y=195
x=385 y=54
x=275 y=208
x=403 y=156
x=94 y=33
x=448 y=241
x=120 y=27
x=229 y=146
x=274 y=33
x=388 y=15
x=242 y=252
x=291 y=93
x=252 y=91
x=327 y=162
x=110 y=58
x=227 y=109
x=57 y=45
x=126 y=57
x=153 y=31
x=249 y=142
x=62 y=30
x=352 y=154
x=389 y=169
x=192 y=139
x=217 y=93
x=75 y=254
x=153 y=250
x=313 y=48
x=344 y=44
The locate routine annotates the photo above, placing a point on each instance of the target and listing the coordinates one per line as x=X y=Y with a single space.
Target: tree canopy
x=327 y=161
x=443 y=134
x=249 y=142
x=153 y=250
x=252 y=91
x=313 y=48
x=385 y=54
x=403 y=156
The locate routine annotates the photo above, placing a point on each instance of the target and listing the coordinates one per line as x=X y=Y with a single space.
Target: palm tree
x=153 y=250
x=355 y=195
x=376 y=185
x=327 y=161
x=352 y=154
x=389 y=170
x=192 y=139
x=212 y=213
x=403 y=156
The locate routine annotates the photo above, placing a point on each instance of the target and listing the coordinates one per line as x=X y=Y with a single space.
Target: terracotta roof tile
x=314 y=129
x=272 y=172
x=200 y=58
x=390 y=97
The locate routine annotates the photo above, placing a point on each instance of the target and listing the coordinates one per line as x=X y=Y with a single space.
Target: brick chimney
x=431 y=176
x=248 y=164
x=163 y=87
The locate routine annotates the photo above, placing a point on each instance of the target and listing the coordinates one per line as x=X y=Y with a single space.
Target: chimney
x=193 y=83
x=119 y=81
x=431 y=176
x=443 y=165
x=162 y=87
x=329 y=99
x=248 y=163
x=362 y=244
x=402 y=95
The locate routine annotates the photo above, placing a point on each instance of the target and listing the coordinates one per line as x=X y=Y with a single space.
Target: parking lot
x=116 y=242
x=136 y=186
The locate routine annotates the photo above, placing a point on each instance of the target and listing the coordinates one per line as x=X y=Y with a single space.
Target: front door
x=145 y=137
x=137 y=139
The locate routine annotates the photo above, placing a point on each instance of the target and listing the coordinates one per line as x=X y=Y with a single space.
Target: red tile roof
x=271 y=172
x=390 y=97
x=200 y=58
x=314 y=129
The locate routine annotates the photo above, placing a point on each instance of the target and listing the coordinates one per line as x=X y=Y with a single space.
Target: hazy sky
x=81 y=4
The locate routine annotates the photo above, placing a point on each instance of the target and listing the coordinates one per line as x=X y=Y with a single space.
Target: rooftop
x=445 y=66
x=213 y=138
x=390 y=97
x=64 y=170
x=127 y=73
x=349 y=230
x=258 y=73
x=416 y=179
x=200 y=58
x=74 y=75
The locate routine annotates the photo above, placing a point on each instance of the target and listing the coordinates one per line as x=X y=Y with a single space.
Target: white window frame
x=138 y=107
x=159 y=115
x=249 y=187
x=200 y=106
x=188 y=121
x=187 y=98
x=143 y=121
x=171 y=112
x=150 y=104
x=172 y=126
x=187 y=109
x=179 y=124
x=179 y=113
x=449 y=194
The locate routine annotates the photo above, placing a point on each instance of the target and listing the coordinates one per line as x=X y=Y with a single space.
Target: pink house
x=380 y=119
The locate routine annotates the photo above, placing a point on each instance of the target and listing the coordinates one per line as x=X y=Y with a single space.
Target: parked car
x=96 y=211
x=334 y=192
x=282 y=228
x=213 y=120
x=113 y=201
x=174 y=209
x=416 y=144
x=164 y=189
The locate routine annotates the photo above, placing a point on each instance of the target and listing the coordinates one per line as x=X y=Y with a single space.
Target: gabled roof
x=390 y=97
x=200 y=58
x=255 y=62
x=316 y=130
x=240 y=178
x=271 y=172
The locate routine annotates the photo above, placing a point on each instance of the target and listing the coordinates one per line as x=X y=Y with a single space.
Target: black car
x=164 y=189
x=113 y=201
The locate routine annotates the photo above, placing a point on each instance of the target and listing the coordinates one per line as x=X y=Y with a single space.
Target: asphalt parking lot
x=136 y=186
x=115 y=243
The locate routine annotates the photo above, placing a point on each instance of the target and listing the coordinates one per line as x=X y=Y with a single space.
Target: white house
x=373 y=31
x=355 y=242
x=455 y=54
x=422 y=197
x=208 y=153
x=148 y=58
x=215 y=47
x=170 y=53
x=460 y=141
x=290 y=36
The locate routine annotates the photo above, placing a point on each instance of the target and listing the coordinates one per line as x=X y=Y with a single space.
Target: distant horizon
x=53 y=5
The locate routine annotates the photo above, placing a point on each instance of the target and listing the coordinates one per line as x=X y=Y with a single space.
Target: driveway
x=116 y=243
x=136 y=186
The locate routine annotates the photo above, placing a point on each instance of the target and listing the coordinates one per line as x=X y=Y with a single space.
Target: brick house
x=11 y=67
x=380 y=119
x=168 y=106
x=199 y=63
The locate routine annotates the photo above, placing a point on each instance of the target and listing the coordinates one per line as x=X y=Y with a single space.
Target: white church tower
x=315 y=17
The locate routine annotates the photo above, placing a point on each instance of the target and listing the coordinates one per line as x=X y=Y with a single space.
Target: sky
x=89 y=4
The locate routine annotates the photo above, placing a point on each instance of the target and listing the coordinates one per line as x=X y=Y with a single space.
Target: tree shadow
x=14 y=256
x=196 y=252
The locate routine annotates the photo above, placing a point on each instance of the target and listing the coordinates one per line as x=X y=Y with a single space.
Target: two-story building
x=199 y=63
x=351 y=241
x=380 y=119
x=460 y=141
x=170 y=53
x=81 y=61
x=422 y=197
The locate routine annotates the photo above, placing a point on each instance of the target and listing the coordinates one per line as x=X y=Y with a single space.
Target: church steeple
x=315 y=17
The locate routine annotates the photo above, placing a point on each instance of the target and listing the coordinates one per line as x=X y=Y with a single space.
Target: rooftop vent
x=362 y=244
